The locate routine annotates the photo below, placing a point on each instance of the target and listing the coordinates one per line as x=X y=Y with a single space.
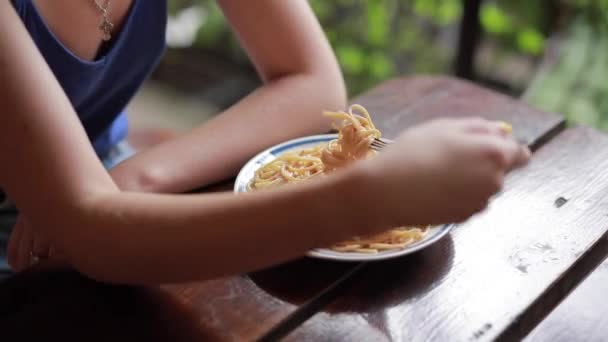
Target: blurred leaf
x=424 y=8
x=441 y=12
x=350 y=58
x=582 y=111
x=332 y=35
x=531 y=41
x=323 y=9
x=380 y=65
x=495 y=20
x=449 y=11
x=377 y=22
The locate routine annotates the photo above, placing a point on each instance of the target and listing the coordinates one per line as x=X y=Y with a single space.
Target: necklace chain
x=106 y=25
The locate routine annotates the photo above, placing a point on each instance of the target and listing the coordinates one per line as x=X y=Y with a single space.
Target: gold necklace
x=106 y=25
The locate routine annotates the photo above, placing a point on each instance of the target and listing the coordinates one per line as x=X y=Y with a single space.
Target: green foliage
x=373 y=40
x=377 y=19
x=378 y=39
x=495 y=20
x=440 y=12
x=596 y=11
x=575 y=84
x=524 y=25
x=531 y=41
x=516 y=25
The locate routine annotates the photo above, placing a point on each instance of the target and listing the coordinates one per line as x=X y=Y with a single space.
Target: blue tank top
x=100 y=90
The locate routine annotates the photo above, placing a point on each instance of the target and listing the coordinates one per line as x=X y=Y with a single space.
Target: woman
x=66 y=82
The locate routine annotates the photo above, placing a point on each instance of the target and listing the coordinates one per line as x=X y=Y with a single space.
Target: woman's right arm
x=51 y=172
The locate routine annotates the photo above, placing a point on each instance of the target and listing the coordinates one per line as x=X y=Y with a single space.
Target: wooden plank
x=244 y=307
x=582 y=316
x=498 y=274
x=393 y=108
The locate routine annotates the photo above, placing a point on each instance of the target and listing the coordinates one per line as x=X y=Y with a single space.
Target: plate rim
x=280 y=146
x=320 y=253
x=443 y=230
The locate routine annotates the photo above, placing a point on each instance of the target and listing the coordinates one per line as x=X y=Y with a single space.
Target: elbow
x=323 y=83
x=330 y=88
x=336 y=95
x=327 y=92
x=324 y=90
x=331 y=91
x=151 y=178
x=332 y=84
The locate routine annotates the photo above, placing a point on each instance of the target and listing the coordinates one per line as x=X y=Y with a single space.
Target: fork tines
x=379 y=143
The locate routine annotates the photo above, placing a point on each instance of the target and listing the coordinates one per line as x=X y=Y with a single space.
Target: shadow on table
x=390 y=283
x=379 y=284
x=298 y=281
x=64 y=306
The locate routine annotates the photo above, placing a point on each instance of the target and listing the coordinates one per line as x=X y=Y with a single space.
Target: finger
x=523 y=157
x=515 y=155
x=482 y=126
x=14 y=242
x=505 y=154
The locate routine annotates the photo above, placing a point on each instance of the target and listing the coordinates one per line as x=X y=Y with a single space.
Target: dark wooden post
x=470 y=34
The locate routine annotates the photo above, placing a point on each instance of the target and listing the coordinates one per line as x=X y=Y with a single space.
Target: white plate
x=248 y=171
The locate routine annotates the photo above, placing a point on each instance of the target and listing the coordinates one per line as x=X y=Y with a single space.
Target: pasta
x=356 y=132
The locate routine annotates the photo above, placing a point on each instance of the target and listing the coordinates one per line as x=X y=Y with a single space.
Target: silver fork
x=379 y=143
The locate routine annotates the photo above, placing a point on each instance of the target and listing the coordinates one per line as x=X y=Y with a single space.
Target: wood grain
x=66 y=306
x=582 y=316
x=502 y=275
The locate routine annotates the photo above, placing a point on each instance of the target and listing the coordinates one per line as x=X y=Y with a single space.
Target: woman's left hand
x=28 y=247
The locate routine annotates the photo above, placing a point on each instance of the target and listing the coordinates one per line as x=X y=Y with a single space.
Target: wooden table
x=495 y=277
